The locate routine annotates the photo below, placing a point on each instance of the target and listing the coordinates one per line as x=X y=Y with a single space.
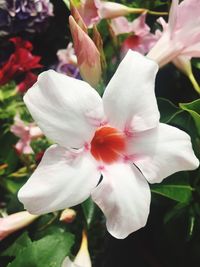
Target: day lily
x=181 y=36
x=88 y=56
x=15 y=222
x=117 y=137
x=140 y=40
x=26 y=133
x=82 y=258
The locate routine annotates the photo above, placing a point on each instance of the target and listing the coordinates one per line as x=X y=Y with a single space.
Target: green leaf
x=22 y=242
x=88 y=210
x=7 y=91
x=175 y=212
x=167 y=110
x=49 y=251
x=194 y=110
x=178 y=192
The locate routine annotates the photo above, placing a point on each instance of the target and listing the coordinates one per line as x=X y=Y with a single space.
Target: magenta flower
x=117 y=137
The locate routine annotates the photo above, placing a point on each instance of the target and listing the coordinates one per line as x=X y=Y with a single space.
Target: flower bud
x=110 y=10
x=15 y=222
x=88 y=56
x=68 y=215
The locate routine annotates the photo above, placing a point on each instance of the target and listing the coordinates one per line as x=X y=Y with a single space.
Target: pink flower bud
x=109 y=10
x=15 y=222
x=87 y=54
x=68 y=215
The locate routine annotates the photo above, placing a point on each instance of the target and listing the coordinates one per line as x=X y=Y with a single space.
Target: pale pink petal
x=19 y=128
x=120 y=25
x=173 y=15
x=162 y=151
x=181 y=36
x=24 y=147
x=139 y=26
x=124 y=197
x=188 y=14
x=62 y=179
x=89 y=12
x=67 y=110
x=129 y=99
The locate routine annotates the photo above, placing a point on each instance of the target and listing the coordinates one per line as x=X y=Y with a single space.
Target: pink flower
x=15 y=222
x=82 y=258
x=118 y=137
x=141 y=39
x=88 y=56
x=92 y=11
x=26 y=133
x=181 y=36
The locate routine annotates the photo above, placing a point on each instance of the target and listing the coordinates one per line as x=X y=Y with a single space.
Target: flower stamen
x=107 y=144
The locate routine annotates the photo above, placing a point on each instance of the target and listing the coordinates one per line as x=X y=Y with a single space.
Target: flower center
x=107 y=144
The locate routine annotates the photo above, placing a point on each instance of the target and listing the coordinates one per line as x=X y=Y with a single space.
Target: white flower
x=118 y=137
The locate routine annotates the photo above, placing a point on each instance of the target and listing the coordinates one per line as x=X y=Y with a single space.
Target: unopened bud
x=88 y=56
x=110 y=10
x=68 y=215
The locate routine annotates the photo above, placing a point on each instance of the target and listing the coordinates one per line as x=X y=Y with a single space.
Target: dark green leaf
x=167 y=110
x=88 y=210
x=177 y=192
x=22 y=242
x=49 y=251
x=194 y=110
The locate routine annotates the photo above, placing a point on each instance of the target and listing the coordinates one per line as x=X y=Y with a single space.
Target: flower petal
x=67 y=110
x=124 y=197
x=68 y=263
x=161 y=152
x=129 y=99
x=62 y=179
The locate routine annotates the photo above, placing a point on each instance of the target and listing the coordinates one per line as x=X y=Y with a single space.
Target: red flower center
x=107 y=144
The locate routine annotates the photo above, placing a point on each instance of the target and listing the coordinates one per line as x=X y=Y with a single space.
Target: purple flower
x=20 y=15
